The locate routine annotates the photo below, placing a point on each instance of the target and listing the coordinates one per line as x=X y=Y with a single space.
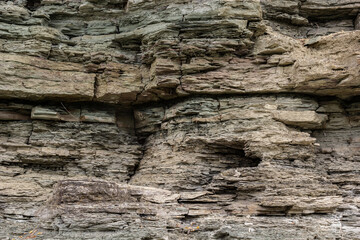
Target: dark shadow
x=32 y=5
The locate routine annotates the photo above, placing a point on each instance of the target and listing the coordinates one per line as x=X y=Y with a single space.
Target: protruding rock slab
x=32 y=78
x=303 y=119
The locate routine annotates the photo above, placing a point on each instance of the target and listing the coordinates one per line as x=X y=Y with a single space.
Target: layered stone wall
x=181 y=119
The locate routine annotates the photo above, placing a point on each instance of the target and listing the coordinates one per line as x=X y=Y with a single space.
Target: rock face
x=181 y=119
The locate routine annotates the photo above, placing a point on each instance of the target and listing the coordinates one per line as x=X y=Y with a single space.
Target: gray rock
x=182 y=119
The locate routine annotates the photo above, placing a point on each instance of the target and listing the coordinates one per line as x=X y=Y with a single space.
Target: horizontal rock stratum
x=180 y=119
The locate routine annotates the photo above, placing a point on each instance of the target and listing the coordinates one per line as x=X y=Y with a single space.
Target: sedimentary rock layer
x=181 y=119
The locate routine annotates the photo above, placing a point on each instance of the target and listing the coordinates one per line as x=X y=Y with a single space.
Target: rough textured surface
x=181 y=119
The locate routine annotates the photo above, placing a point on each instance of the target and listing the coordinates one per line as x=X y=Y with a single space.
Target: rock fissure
x=32 y=5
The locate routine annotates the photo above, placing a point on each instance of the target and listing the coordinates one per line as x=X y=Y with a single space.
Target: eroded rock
x=182 y=119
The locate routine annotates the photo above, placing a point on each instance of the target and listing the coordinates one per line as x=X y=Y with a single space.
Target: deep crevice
x=121 y=5
x=135 y=169
x=235 y=157
x=38 y=166
x=96 y=85
x=32 y=5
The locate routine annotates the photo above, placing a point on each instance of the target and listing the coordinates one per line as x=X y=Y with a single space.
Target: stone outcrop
x=181 y=119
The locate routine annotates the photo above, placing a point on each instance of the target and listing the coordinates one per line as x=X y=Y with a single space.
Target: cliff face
x=180 y=119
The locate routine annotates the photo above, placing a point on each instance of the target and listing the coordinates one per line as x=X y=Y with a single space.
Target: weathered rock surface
x=182 y=119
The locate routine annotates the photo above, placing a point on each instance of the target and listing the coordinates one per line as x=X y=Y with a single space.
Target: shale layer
x=180 y=119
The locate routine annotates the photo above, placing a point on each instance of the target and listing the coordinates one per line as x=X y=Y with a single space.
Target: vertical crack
x=141 y=142
x=218 y=108
x=141 y=91
x=96 y=85
x=137 y=164
x=31 y=132
x=187 y=60
x=136 y=168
